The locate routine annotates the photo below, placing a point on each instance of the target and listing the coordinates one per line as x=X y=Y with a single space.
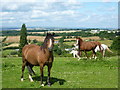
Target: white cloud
x=38 y=13
x=12 y=7
x=9 y=1
x=51 y=11
x=84 y=19
x=110 y=0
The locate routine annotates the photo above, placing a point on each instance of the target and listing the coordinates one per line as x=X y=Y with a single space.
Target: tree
x=23 y=39
x=61 y=40
x=116 y=43
x=57 y=50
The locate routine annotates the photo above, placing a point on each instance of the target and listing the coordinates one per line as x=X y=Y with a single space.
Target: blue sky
x=60 y=13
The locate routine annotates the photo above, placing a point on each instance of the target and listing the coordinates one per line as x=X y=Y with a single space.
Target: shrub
x=14 y=53
x=116 y=43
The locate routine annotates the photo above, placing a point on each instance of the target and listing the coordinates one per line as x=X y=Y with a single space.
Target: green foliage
x=57 y=50
x=105 y=34
x=14 y=53
x=61 y=40
x=23 y=39
x=116 y=43
x=39 y=43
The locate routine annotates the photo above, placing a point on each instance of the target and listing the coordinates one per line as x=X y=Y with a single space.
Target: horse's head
x=49 y=40
x=79 y=40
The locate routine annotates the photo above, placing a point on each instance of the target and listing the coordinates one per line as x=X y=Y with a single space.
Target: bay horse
x=34 y=55
x=87 y=46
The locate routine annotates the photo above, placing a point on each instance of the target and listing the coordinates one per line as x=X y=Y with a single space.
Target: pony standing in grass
x=34 y=55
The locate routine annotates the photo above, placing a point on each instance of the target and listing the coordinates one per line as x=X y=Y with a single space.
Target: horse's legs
x=29 y=66
x=74 y=55
x=78 y=57
x=94 y=53
x=86 y=54
x=41 y=71
x=80 y=53
x=23 y=68
x=30 y=72
x=103 y=53
x=48 y=79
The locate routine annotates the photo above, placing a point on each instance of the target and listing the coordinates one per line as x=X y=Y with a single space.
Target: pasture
x=66 y=72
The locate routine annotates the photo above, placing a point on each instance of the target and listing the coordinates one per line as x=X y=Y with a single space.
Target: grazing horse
x=103 y=48
x=34 y=55
x=87 y=46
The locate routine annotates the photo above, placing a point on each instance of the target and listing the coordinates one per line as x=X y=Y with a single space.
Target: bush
x=116 y=43
x=14 y=53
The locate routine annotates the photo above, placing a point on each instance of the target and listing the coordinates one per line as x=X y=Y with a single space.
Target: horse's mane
x=79 y=42
x=80 y=39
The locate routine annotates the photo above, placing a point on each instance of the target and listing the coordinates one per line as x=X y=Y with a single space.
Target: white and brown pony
x=103 y=48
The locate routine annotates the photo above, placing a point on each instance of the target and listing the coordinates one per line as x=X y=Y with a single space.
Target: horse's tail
x=109 y=50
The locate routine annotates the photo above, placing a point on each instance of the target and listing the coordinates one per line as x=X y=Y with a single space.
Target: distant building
x=94 y=31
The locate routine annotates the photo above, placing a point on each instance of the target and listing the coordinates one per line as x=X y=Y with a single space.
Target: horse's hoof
x=42 y=85
x=22 y=79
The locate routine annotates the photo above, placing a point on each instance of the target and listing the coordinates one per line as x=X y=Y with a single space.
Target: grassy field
x=66 y=72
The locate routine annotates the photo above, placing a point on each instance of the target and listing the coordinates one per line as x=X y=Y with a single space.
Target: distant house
x=102 y=30
x=94 y=31
x=109 y=31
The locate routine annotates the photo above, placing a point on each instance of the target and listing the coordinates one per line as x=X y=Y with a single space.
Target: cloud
x=56 y=12
x=110 y=0
x=38 y=13
x=84 y=19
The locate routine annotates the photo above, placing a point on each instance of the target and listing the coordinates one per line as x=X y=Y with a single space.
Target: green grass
x=66 y=72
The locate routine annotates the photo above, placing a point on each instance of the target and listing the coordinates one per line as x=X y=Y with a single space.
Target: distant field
x=16 y=39
x=56 y=32
x=107 y=42
x=66 y=72
x=41 y=38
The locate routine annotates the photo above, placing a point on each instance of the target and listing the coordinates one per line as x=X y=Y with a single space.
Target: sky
x=59 y=13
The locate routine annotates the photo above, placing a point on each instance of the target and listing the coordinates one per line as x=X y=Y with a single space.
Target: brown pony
x=34 y=55
x=87 y=46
